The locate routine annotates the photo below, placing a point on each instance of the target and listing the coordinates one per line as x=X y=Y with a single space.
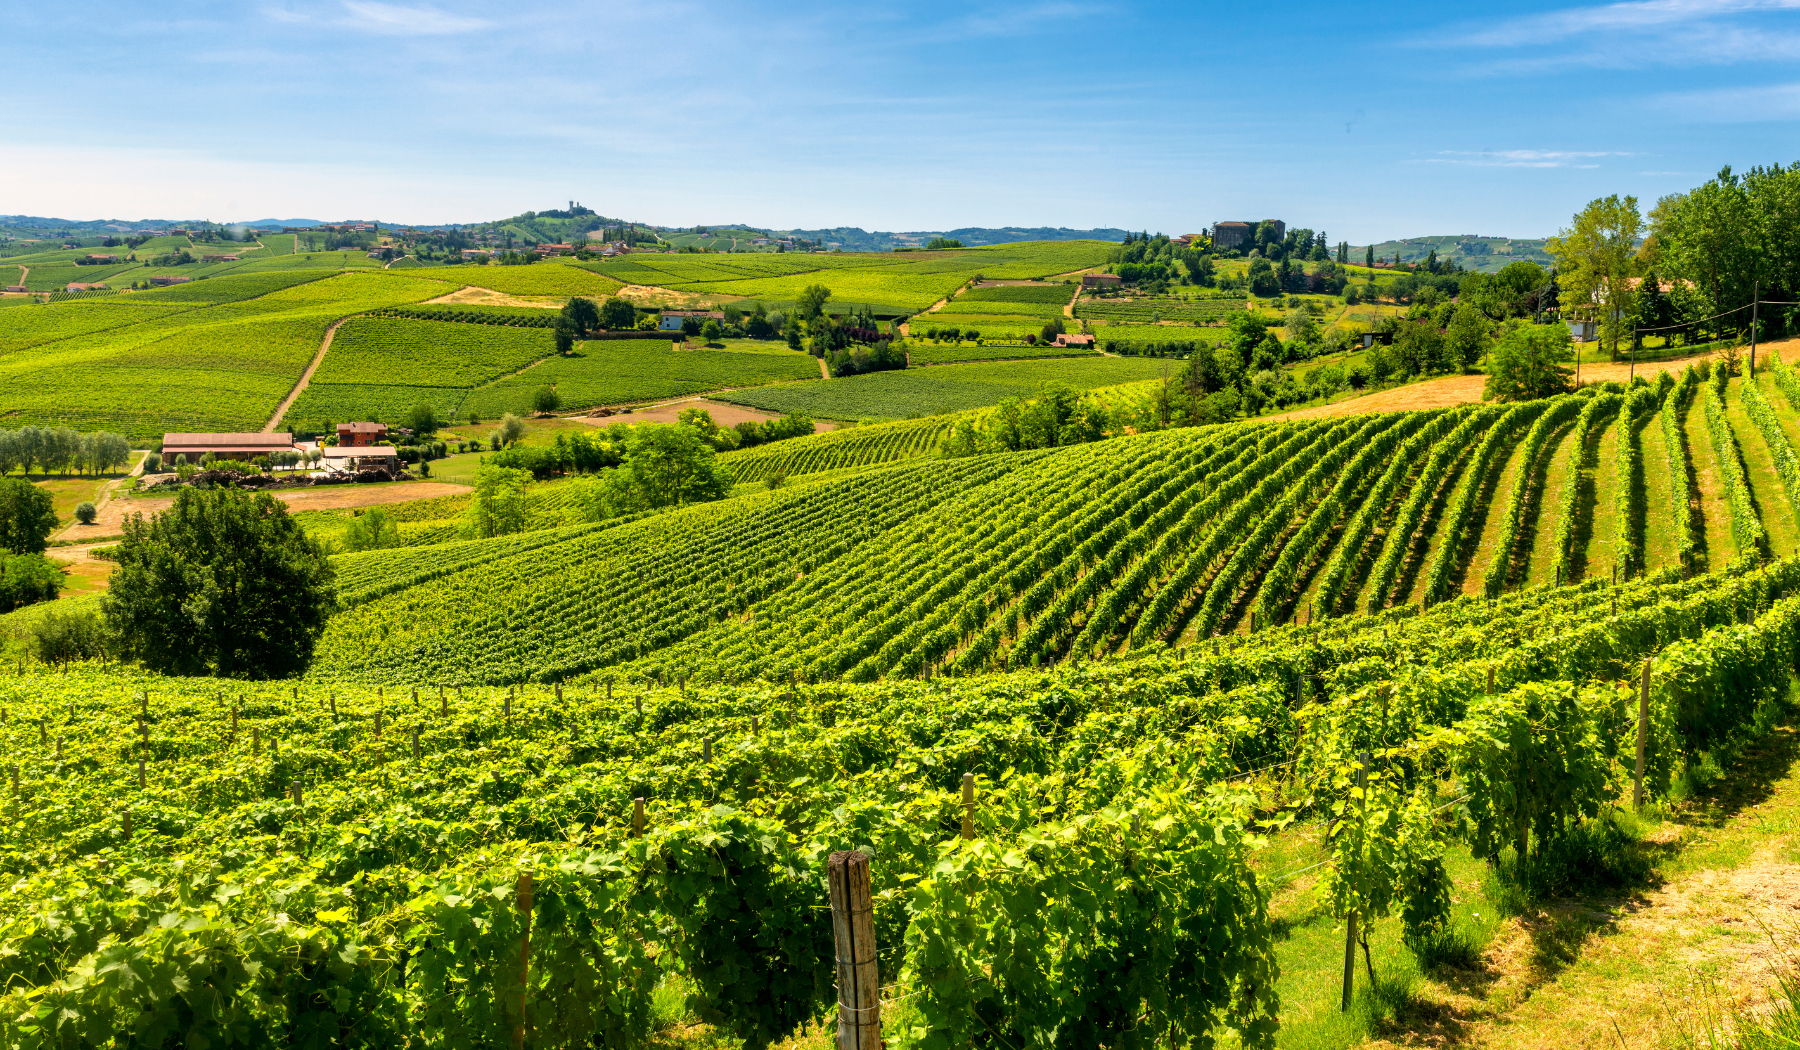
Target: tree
x=27 y=517
x=1052 y=329
x=498 y=506
x=510 y=430
x=811 y=301
x=582 y=314
x=563 y=333
x=1595 y=259
x=26 y=579
x=1262 y=277
x=422 y=418
x=373 y=529
x=85 y=512
x=1467 y=336
x=712 y=331
x=1526 y=362
x=793 y=336
x=617 y=314
x=223 y=582
x=941 y=243
x=545 y=401
x=671 y=466
x=1369 y=257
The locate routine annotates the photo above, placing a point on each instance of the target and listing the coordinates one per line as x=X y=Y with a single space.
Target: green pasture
x=913 y=392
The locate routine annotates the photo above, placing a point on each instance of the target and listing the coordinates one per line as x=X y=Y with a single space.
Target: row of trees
x=59 y=450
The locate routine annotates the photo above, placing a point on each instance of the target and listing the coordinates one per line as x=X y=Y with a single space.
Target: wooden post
x=706 y=750
x=126 y=813
x=59 y=744
x=1643 y=737
x=609 y=689
x=141 y=782
x=297 y=800
x=15 y=776
x=755 y=727
x=637 y=702
x=968 y=803
x=523 y=902
x=443 y=705
x=559 y=692
x=508 y=705
x=415 y=690
x=415 y=743
x=637 y=818
x=1362 y=781
x=145 y=701
x=1490 y=688
x=334 y=709
x=43 y=731
x=378 y=721
x=853 y=935
x=256 y=740
x=296 y=692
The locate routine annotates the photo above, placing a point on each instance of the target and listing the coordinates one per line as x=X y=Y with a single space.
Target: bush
x=153 y=463
x=25 y=579
x=27 y=516
x=65 y=637
x=546 y=400
x=85 y=513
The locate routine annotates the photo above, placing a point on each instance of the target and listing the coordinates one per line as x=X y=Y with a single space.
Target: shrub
x=85 y=513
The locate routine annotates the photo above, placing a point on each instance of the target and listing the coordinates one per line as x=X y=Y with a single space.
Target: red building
x=356 y=435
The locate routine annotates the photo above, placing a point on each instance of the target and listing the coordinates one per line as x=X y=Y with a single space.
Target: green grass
x=923 y=353
x=950 y=388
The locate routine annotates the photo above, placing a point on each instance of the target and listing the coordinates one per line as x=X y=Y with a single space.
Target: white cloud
x=1523 y=158
x=387 y=19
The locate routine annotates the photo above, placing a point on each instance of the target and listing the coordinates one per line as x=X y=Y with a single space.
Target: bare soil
x=473 y=296
x=328 y=497
x=723 y=413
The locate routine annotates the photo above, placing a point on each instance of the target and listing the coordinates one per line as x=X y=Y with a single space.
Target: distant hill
x=855 y=238
x=1470 y=251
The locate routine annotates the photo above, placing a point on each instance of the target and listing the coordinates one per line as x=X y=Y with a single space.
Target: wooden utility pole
x=853 y=934
x=968 y=804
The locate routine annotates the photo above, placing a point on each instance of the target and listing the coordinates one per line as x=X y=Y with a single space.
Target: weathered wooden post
x=637 y=818
x=142 y=783
x=522 y=900
x=853 y=935
x=968 y=804
x=1643 y=737
x=1362 y=782
x=415 y=743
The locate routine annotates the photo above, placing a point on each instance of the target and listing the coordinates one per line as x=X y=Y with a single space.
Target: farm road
x=305 y=378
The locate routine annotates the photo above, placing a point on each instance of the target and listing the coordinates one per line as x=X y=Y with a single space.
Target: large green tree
x=1596 y=257
x=618 y=315
x=811 y=301
x=1528 y=361
x=223 y=582
x=27 y=516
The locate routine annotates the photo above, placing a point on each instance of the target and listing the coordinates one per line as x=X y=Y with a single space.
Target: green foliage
x=373 y=529
x=498 y=508
x=222 y=582
x=25 y=579
x=1528 y=362
x=1747 y=531
x=923 y=392
x=399 y=352
x=27 y=517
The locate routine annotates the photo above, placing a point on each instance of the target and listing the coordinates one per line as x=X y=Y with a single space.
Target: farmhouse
x=362 y=457
x=15 y=287
x=1075 y=339
x=361 y=435
x=192 y=448
x=555 y=249
x=1090 y=281
x=76 y=286
x=218 y=258
x=163 y=280
x=671 y=320
x=103 y=258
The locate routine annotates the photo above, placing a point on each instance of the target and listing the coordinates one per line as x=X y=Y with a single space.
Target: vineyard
x=400 y=352
x=837 y=450
x=951 y=388
x=456 y=866
x=1151 y=308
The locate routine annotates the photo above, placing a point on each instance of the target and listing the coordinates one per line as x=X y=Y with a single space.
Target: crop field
x=1158 y=308
x=230 y=288
x=1040 y=294
x=1153 y=656
x=53 y=277
x=548 y=278
x=837 y=450
x=398 y=352
x=141 y=368
x=900 y=280
x=924 y=353
x=991 y=326
x=966 y=307
x=914 y=392
x=322 y=403
x=630 y=370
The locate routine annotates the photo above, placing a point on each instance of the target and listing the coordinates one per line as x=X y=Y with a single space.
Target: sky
x=1368 y=121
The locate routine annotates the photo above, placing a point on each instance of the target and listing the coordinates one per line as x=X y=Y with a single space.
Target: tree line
x=59 y=450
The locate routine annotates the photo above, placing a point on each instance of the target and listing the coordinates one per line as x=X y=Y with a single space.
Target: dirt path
x=824 y=371
x=24 y=272
x=106 y=496
x=1463 y=390
x=305 y=378
x=932 y=309
x=473 y=295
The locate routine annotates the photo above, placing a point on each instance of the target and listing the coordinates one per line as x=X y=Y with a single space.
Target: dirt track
x=1462 y=390
x=330 y=497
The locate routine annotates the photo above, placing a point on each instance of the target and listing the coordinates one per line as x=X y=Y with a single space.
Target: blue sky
x=1368 y=121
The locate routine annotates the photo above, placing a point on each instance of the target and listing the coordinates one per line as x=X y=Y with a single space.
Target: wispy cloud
x=1011 y=21
x=1523 y=158
x=1746 y=105
x=1636 y=16
x=387 y=19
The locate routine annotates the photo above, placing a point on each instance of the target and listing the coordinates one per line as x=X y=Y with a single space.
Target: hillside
x=1470 y=251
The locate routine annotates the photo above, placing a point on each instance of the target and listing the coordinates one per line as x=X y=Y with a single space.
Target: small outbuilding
x=192 y=448
x=362 y=457
x=1091 y=281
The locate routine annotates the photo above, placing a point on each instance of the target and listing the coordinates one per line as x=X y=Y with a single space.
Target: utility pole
x=1755 y=309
